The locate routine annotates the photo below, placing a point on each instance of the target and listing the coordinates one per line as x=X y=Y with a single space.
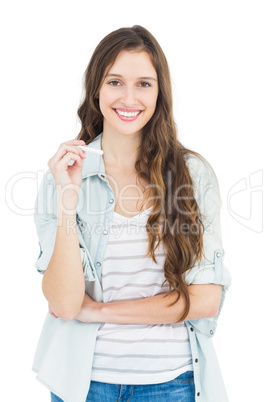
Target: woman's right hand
x=68 y=178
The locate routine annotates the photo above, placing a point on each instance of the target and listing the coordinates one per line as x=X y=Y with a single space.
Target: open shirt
x=65 y=351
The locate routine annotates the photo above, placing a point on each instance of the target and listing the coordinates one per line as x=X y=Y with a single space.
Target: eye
x=145 y=84
x=114 y=83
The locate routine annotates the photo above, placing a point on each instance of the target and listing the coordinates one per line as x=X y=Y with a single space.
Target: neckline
x=135 y=216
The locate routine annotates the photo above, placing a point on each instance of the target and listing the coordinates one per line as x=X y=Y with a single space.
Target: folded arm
x=204 y=303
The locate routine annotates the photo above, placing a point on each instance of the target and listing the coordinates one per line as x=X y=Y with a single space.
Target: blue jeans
x=181 y=389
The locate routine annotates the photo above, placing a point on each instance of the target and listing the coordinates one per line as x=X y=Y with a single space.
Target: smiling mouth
x=127 y=114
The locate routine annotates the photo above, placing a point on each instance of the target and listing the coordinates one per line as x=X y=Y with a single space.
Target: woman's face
x=129 y=93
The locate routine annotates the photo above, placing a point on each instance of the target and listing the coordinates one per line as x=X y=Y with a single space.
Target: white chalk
x=93 y=150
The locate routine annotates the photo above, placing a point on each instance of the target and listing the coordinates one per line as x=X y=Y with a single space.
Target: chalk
x=92 y=150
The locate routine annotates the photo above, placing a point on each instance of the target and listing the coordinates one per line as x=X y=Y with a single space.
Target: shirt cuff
x=213 y=272
x=45 y=256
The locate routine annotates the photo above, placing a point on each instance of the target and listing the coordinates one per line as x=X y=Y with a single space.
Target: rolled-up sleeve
x=46 y=221
x=211 y=269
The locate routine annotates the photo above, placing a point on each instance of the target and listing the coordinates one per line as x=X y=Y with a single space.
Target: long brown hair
x=161 y=159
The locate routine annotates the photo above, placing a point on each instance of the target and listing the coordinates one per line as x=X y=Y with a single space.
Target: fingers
x=68 y=151
x=67 y=158
x=65 y=147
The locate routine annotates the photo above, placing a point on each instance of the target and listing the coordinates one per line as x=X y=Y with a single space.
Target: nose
x=129 y=96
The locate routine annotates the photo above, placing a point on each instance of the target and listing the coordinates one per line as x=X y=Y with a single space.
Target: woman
x=143 y=220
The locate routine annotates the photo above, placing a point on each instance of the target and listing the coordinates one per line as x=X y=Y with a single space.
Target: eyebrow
x=140 y=78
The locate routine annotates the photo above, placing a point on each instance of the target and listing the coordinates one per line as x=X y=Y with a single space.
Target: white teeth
x=127 y=114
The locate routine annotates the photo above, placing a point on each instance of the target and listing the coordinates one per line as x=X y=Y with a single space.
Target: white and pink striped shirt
x=136 y=354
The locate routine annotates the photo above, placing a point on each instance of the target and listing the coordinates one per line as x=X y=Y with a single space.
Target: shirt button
x=98 y=264
x=196 y=360
x=103 y=176
x=211 y=332
x=198 y=394
x=218 y=254
x=105 y=232
x=111 y=201
x=191 y=329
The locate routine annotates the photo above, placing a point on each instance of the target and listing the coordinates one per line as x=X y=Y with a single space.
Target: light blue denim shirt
x=65 y=351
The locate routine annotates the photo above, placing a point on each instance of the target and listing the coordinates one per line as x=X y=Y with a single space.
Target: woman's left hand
x=88 y=310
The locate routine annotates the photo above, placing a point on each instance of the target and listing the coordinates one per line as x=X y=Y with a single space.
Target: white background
x=217 y=52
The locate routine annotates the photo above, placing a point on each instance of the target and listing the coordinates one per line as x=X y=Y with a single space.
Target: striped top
x=136 y=354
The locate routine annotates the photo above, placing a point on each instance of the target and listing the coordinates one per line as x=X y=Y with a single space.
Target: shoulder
x=205 y=182
x=199 y=168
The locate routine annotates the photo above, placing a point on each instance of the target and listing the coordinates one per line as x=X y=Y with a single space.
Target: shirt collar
x=94 y=164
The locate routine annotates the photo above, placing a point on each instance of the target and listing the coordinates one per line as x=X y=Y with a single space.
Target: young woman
x=131 y=250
